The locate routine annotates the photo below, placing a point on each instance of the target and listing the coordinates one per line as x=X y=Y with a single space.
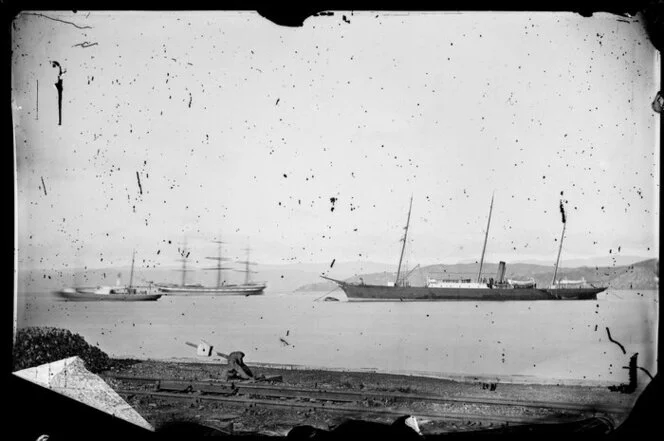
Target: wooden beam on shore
x=182 y=386
x=359 y=412
x=354 y=396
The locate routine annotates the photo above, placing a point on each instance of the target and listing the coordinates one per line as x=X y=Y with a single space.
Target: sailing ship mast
x=486 y=236
x=403 y=247
x=219 y=259
x=131 y=274
x=560 y=248
x=184 y=252
x=247 y=271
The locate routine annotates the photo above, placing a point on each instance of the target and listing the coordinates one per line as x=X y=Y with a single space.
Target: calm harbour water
x=533 y=341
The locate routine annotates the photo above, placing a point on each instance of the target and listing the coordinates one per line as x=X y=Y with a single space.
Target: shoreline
x=525 y=380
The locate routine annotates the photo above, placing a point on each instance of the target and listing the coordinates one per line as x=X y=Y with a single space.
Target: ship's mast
x=486 y=237
x=246 y=271
x=219 y=259
x=403 y=247
x=184 y=253
x=219 y=268
x=560 y=248
x=246 y=268
x=131 y=274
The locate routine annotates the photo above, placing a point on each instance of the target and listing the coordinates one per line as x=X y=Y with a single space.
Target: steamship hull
x=464 y=289
x=88 y=295
x=367 y=293
x=575 y=293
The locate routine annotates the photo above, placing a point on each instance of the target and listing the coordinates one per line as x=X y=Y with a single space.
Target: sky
x=306 y=144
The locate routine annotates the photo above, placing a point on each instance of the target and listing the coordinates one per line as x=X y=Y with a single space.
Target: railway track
x=391 y=404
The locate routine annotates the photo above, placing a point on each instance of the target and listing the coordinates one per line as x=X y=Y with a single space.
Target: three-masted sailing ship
x=498 y=289
x=248 y=288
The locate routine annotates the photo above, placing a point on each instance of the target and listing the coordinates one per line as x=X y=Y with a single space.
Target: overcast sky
x=237 y=127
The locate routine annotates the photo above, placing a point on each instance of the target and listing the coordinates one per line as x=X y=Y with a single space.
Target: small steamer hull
x=88 y=296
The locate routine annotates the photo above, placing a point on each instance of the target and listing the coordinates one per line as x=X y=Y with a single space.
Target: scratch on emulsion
x=614 y=341
x=44 y=186
x=138 y=178
x=85 y=44
x=58 y=86
x=58 y=20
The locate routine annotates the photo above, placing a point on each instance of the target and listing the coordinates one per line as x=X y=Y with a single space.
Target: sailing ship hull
x=357 y=293
x=244 y=290
x=87 y=296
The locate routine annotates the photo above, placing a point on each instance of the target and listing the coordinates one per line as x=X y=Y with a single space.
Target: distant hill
x=640 y=275
x=614 y=259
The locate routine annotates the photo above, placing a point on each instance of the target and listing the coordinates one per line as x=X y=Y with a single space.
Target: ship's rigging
x=219 y=268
